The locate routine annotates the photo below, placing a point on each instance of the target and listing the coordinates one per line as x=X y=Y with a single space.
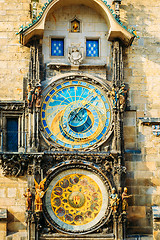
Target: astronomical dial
x=76 y=114
x=76 y=201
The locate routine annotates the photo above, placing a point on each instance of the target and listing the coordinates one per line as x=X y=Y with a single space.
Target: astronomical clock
x=76 y=115
x=70 y=125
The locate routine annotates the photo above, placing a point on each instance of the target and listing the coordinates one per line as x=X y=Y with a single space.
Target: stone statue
x=75 y=56
x=122 y=97
x=125 y=197
x=30 y=96
x=39 y=194
x=113 y=95
x=28 y=196
x=114 y=200
x=38 y=96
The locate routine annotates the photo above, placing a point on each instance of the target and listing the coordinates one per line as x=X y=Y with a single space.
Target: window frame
x=99 y=48
x=50 y=45
x=20 y=115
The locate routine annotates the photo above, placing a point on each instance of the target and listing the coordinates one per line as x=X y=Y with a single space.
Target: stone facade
x=141 y=76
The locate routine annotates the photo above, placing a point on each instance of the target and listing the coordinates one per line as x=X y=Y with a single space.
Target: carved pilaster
x=34 y=97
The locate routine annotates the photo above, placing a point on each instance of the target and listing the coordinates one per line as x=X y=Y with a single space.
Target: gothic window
x=12 y=125
x=12 y=135
x=92 y=48
x=57 y=47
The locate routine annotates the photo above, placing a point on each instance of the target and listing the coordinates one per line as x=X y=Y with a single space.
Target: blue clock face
x=76 y=114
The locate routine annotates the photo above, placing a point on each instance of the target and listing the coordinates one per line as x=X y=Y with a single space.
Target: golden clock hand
x=88 y=103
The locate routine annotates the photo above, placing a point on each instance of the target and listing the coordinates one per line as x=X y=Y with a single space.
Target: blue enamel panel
x=104 y=130
x=47 y=130
x=47 y=98
x=107 y=122
x=53 y=91
x=57 y=47
x=108 y=114
x=60 y=142
x=59 y=86
x=103 y=98
x=92 y=48
x=44 y=123
x=67 y=145
x=43 y=114
x=44 y=106
x=66 y=83
x=92 y=142
x=106 y=105
x=100 y=136
x=77 y=146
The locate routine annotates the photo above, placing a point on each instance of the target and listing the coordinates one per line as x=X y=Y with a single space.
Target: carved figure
x=114 y=200
x=113 y=94
x=75 y=26
x=39 y=194
x=38 y=96
x=30 y=96
x=122 y=97
x=75 y=56
x=28 y=196
x=125 y=197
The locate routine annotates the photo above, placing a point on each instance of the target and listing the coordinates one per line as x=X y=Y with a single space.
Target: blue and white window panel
x=92 y=48
x=57 y=47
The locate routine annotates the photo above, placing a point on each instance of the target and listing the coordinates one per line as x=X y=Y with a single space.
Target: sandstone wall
x=142 y=70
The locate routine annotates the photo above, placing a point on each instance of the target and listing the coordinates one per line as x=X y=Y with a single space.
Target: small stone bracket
x=3 y=214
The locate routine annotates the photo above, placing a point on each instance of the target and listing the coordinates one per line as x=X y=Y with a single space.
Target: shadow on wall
x=14 y=224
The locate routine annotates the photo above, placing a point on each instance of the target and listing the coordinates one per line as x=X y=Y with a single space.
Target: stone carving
x=114 y=97
x=75 y=55
x=12 y=106
x=30 y=96
x=114 y=200
x=13 y=165
x=119 y=169
x=28 y=196
x=39 y=195
x=37 y=95
x=125 y=197
x=122 y=97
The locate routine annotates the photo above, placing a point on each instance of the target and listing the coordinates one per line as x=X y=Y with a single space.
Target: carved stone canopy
x=116 y=31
